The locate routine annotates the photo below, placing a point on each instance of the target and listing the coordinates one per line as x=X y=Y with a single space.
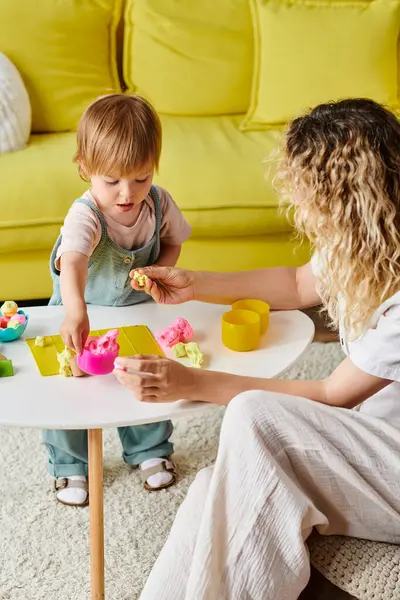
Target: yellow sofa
x=194 y=60
x=220 y=189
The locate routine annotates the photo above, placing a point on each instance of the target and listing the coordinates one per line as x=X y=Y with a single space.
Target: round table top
x=29 y=400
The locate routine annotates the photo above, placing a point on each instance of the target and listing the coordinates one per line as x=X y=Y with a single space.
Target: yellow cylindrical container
x=241 y=330
x=258 y=306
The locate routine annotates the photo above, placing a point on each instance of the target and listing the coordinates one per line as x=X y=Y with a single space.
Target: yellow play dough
x=40 y=341
x=64 y=359
x=180 y=350
x=9 y=308
x=141 y=279
x=192 y=351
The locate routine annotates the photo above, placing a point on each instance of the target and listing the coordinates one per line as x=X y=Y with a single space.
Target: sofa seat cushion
x=214 y=172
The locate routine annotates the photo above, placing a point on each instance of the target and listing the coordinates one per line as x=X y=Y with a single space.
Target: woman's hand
x=75 y=330
x=167 y=285
x=155 y=378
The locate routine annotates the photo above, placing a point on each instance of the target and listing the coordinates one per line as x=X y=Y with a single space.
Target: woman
x=290 y=456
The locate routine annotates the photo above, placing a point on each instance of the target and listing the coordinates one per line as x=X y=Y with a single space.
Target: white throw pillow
x=15 y=108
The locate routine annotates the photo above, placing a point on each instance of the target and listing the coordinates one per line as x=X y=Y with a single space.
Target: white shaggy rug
x=44 y=546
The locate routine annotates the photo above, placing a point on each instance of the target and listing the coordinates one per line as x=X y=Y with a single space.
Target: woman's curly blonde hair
x=340 y=177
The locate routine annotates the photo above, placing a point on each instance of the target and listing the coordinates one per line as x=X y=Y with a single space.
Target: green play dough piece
x=6 y=368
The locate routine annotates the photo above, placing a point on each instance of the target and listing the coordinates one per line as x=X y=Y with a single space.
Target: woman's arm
x=282 y=287
x=346 y=387
x=156 y=379
x=169 y=255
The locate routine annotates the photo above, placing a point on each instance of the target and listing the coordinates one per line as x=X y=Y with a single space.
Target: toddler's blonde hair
x=118 y=134
x=340 y=176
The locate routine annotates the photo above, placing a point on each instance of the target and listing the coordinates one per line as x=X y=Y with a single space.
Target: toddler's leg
x=148 y=446
x=285 y=465
x=68 y=456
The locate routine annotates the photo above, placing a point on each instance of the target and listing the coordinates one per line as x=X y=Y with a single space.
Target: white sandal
x=167 y=465
x=61 y=483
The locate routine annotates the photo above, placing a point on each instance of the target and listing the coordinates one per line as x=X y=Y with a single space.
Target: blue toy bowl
x=10 y=334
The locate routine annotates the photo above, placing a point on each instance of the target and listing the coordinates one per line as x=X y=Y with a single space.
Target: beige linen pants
x=284 y=466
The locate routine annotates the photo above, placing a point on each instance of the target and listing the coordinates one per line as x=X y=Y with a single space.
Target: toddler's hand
x=75 y=330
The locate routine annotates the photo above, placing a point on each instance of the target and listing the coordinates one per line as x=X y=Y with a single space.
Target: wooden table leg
x=96 y=510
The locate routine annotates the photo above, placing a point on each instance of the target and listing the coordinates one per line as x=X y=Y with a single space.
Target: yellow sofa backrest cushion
x=65 y=53
x=190 y=57
x=313 y=51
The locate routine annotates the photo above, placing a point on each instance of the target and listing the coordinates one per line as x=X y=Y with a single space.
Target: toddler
x=121 y=223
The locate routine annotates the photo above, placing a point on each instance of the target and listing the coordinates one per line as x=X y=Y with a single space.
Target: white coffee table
x=93 y=403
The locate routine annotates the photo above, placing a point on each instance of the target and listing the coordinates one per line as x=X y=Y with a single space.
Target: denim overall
x=108 y=284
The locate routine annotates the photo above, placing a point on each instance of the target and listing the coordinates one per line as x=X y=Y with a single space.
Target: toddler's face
x=120 y=197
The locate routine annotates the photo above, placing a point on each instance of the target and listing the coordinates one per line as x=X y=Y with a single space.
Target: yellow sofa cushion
x=39 y=185
x=65 y=53
x=313 y=51
x=214 y=172
x=190 y=57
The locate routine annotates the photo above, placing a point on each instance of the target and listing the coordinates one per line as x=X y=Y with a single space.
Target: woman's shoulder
x=390 y=308
x=377 y=351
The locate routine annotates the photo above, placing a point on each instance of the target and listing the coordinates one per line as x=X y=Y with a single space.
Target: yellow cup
x=257 y=306
x=241 y=330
